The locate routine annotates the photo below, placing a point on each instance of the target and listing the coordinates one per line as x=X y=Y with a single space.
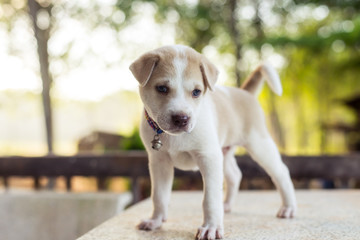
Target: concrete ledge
x=57 y=216
x=322 y=215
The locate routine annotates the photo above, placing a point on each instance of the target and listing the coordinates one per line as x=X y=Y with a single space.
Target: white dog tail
x=264 y=72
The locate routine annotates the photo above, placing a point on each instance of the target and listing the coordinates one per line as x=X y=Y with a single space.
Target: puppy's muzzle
x=180 y=120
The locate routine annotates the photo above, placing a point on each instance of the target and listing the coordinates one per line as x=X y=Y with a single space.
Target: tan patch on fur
x=143 y=67
x=198 y=67
x=192 y=71
x=193 y=63
x=253 y=81
x=164 y=68
x=158 y=64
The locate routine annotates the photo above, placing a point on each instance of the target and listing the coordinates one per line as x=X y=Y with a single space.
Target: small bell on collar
x=156 y=143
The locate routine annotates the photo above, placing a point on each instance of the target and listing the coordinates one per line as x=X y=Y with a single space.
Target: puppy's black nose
x=180 y=120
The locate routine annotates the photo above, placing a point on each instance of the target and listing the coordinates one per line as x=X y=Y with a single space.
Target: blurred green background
x=87 y=46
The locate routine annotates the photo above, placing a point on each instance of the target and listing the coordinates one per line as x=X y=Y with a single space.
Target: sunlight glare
x=87 y=63
x=102 y=56
x=320 y=12
x=13 y=79
x=92 y=84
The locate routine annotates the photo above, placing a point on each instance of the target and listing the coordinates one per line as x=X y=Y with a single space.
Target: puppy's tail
x=264 y=72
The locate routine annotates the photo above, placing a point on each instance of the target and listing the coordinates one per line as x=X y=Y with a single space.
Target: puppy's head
x=173 y=81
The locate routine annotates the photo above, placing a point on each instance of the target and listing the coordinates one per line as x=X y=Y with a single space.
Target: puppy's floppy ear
x=209 y=72
x=144 y=66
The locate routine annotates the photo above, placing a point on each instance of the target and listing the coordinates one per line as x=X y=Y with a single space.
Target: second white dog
x=191 y=124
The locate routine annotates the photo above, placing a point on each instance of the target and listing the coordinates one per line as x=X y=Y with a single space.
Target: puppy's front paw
x=286 y=212
x=149 y=224
x=209 y=233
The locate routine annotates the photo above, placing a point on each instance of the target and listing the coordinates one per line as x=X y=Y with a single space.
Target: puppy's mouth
x=178 y=124
x=177 y=131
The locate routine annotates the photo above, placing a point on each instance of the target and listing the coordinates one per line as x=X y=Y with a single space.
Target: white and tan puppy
x=191 y=124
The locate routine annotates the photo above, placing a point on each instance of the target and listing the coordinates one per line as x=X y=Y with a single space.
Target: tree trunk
x=277 y=131
x=235 y=35
x=42 y=37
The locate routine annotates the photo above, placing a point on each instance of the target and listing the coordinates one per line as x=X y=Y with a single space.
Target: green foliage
x=315 y=42
x=133 y=142
x=197 y=24
x=353 y=4
x=321 y=71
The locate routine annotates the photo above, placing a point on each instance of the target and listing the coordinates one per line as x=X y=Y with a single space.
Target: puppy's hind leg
x=232 y=176
x=264 y=151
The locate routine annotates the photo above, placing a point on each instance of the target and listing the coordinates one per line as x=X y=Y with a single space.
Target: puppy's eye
x=196 y=93
x=162 y=89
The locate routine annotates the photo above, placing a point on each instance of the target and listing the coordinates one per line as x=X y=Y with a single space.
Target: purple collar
x=153 y=124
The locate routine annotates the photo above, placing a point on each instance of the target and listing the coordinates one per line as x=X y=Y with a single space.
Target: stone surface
x=56 y=216
x=321 y=215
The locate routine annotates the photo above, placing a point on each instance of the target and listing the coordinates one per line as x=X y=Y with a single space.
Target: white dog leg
x=211 y=168
x=161 y=174
x=264 y=151
x=233 y=176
